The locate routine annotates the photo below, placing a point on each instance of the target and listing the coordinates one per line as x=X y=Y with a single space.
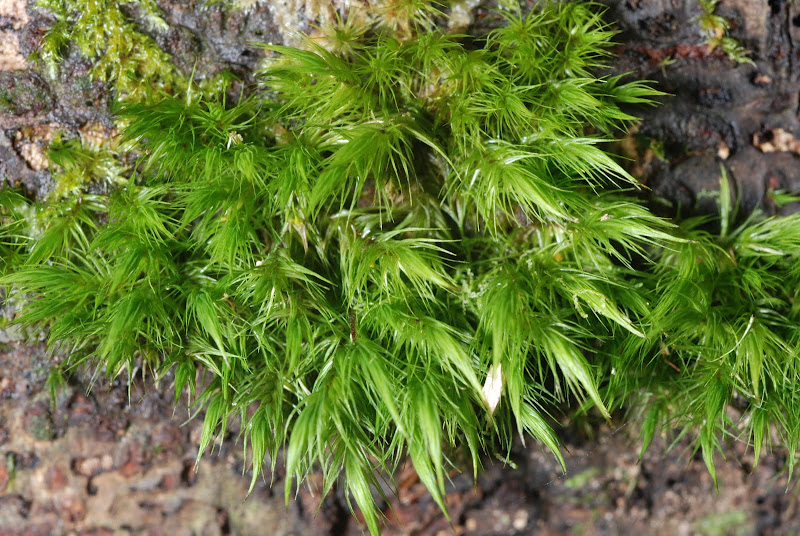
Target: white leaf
x=493 y=387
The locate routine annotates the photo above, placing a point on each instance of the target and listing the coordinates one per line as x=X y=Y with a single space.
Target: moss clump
x=119 y=51
x=409 y=245
x=14 y=212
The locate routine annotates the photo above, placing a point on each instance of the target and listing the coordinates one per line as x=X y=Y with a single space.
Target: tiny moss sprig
x=121 y=50
x=715 y=28
x=13 y=214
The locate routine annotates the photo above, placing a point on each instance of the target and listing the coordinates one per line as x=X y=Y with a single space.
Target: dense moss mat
x=409 y=244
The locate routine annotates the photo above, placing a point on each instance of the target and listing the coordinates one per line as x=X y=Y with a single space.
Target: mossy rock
x=24 y=93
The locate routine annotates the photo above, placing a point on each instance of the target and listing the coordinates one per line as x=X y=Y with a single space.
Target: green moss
x=76 y=165
x=583 y=478
x=715 y=28
x=41 y=427
x=14 y=214
x=410 y=246
x=11 y=470
x=14 y=101
x=120 y=52
x=731 y=523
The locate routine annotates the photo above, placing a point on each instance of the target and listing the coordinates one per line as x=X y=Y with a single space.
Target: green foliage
x=715 y=28
x=13 y=214
x=120 y=52
x=409 y=244
x=722 y=331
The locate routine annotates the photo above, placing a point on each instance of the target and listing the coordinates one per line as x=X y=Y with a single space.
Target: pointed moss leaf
x=429 y=424
x=216 y=415
x=259 y=431
x=571 y=364
x=708 y=445
x=715 y=404
x=371 y=361
x=441 y=339
x=358 y=480
x=650 y=425
x=429 y=475
x=202 y=308
x=534 y=424
x=185 y=374
x=582 y=290
x=759 y=427
x=307 y=428
x=317 y=61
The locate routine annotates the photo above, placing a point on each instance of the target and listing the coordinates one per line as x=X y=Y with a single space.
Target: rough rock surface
x=13 y=16
x=716 y=108
x=113 y=462
x=117 y=462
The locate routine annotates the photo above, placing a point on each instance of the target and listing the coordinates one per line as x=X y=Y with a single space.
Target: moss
x=730 y=523
x=40 y=426
x=407 y=244
x=118 y=38
x=22 y=92
x=121 y=53
x=715 y=29
x=79 y=164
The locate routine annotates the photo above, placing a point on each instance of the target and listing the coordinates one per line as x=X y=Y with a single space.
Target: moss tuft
x=405 y=245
